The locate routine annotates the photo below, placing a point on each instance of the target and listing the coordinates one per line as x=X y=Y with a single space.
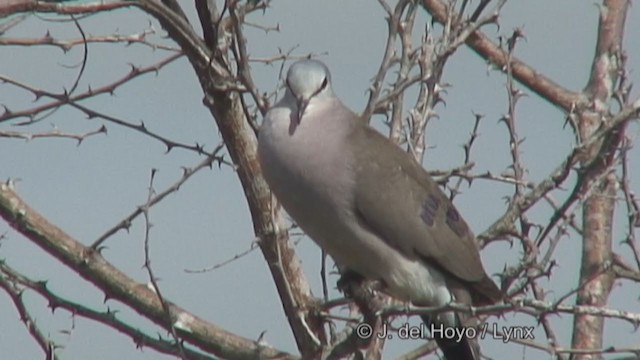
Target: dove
x=371 y=206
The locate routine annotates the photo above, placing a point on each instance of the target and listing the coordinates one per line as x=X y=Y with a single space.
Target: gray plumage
x=369 y=204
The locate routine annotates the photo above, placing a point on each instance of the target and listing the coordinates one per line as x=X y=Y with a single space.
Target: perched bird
x=369 y=204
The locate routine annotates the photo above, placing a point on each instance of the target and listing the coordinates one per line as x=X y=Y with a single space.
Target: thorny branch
x=11 y=287
x=117 y=285
x=527 y=306
x=107 y=317
x=55 y=133
x=153 y=280
x=62 y=99
x=68 y=44
x=125 y=223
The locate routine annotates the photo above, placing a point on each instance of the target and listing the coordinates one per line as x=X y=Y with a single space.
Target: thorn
x=199 y=148
x=7 y=111
x=38 y=94
x=91 y=114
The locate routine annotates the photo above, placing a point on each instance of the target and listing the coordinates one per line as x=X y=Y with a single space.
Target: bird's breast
x=307 y=167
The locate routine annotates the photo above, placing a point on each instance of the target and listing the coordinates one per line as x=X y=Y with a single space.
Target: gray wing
x=401 y=203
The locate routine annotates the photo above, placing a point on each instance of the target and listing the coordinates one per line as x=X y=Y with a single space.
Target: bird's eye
x=324 y=83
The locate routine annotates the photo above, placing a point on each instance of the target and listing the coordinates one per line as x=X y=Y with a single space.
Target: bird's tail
x=455 y=348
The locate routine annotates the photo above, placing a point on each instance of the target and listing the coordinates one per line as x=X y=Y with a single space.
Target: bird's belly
x=415 y=281
x=357 y=248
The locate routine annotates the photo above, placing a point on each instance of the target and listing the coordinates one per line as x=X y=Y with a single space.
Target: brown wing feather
x=422 y=221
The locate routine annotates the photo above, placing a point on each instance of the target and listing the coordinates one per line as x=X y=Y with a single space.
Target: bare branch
x=66 y=45
x=126 y=222
x=67 y=99
x=115 y=284
x=11 y=288
x=108 y=317
x=523 y=73
x=52 y=134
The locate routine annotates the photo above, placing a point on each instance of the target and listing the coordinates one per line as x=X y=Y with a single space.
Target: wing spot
x=454 y=223
x=429 y=209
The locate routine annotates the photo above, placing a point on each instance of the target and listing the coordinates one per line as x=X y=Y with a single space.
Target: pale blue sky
x=87 y=189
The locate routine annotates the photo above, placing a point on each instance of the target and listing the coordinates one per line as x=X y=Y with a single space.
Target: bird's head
x=307 y=80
